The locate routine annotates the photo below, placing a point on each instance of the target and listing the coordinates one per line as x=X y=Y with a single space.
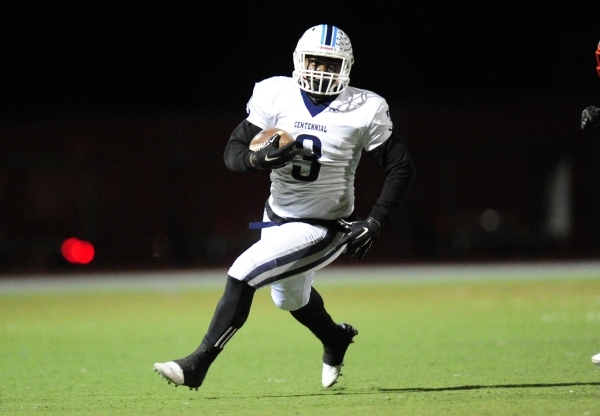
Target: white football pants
x=286 y=258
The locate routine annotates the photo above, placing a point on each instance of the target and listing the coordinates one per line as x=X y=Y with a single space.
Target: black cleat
x=333 y=355
x=183 y=372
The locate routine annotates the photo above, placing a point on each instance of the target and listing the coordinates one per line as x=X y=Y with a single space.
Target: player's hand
x=360 y=237
x=271 y=156
x=590 y=118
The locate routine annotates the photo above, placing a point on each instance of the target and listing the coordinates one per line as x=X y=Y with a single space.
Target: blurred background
x=113 y=124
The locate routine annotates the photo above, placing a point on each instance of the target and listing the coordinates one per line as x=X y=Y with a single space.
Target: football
x=260 y=140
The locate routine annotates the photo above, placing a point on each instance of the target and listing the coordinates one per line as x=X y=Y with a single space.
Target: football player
x=309 y=217
x=590 y=118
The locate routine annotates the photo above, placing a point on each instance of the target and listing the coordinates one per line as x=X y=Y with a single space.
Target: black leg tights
x=230 y=315
x=314 y=316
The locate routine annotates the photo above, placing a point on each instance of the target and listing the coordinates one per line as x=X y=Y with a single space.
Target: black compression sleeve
x=237 y=153
x=393 y=157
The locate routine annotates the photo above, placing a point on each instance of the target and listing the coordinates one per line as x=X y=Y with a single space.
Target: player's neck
x=321 y=99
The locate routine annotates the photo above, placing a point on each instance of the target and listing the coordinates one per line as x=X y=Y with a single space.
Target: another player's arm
x=237 y=153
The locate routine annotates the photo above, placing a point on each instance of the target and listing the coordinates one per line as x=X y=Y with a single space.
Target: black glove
x=360 y=237
x=271 y=156
x=590 y=118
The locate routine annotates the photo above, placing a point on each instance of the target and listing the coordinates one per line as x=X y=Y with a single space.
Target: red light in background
x=77 y=251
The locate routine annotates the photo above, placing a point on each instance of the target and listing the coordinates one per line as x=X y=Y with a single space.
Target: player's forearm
x=395 y=189
x=237 y=154
x=237 y=158
x=400 y=173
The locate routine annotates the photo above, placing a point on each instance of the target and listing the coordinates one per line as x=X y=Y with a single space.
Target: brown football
x=263 y=136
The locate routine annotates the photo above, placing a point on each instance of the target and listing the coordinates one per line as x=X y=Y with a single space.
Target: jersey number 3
x=315 y=166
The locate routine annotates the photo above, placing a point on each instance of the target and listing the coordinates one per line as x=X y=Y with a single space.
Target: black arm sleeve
x=393 y=157
x=237 y=152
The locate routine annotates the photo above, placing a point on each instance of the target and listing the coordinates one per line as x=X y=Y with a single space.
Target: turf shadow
x=491 y=386
x=375 y=390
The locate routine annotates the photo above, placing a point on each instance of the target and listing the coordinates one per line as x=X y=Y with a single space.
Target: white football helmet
x=327 y=41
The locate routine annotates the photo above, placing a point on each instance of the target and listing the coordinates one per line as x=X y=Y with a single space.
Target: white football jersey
x=319 y=182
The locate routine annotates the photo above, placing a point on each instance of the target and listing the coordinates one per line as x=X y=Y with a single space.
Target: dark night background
x=113 y=123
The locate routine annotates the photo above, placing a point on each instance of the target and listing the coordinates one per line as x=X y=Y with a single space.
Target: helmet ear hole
x=328 y=43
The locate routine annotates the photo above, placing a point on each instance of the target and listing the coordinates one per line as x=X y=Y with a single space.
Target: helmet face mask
x=320 y=73
x=329 y=46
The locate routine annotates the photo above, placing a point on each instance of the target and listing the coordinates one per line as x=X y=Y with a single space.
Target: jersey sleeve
x=393 y=157
x=261 y=108
x=237 y=153
x=380 y=128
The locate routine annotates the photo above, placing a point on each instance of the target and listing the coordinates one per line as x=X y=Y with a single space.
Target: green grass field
x=514 y=343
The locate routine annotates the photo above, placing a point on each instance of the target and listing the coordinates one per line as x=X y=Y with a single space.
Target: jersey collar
x=316 y=109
